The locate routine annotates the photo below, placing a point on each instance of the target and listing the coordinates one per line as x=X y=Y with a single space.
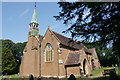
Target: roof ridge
x=54 y=35
x=64 y=36
x=60 y=34
x=68 y=41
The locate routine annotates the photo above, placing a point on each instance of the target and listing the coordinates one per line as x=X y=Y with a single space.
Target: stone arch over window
x=48 y=53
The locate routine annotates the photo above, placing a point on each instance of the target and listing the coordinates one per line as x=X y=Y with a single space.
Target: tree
x=0 y=57
x=8 y=61
x=17 y=51
x=106 y=56
x=7 y=43
x=93 y=22
x=4 y=43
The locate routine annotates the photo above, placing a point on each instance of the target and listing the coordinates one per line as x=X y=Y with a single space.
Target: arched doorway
x=92 y=64
x=85 y=66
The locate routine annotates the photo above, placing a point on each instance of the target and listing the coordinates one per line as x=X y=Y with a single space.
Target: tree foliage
x=8 y=61
x=95 y=22
x=17 y=51
x=11 y=50
x=7 y=43
x=0 y=57
x=106 y=56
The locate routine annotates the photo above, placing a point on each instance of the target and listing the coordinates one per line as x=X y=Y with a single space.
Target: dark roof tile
x=73 y=58
x=69 y=42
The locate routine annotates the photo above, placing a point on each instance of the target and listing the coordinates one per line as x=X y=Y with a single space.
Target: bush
x=39 y=78
x=119 y=71
x=31 y=77
x=113 y=75
x=72 y=77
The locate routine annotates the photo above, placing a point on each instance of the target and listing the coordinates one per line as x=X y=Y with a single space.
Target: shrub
x=72 y=77
x=31 y=77
x=39 y=78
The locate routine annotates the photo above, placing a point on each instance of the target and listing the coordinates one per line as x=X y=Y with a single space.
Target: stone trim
x=53 y=76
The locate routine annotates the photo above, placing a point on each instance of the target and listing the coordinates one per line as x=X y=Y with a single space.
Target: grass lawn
x=95 y=73
x=98 y=71
x=14 y=76
x=118 y=72
x=99 y=78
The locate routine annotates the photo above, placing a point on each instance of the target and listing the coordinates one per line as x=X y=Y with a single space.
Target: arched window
x=48 y=53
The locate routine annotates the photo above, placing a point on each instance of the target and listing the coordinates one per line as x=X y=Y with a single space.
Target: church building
x=54 y=55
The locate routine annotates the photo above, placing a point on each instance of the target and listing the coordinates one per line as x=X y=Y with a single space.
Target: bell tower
x=30 y=63
x=33 y=29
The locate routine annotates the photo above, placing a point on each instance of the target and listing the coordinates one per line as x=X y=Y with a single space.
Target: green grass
x=95 y=72
x=118 y=72
x=98 y=71
x=12 y=76
x=99 y=78
x=102 y=78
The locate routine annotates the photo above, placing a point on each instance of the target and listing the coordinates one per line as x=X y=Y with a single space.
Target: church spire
x=34 y=17
x=35 y=4
x=33 y=30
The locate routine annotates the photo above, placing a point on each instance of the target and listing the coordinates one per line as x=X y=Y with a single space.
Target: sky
x=16 y=17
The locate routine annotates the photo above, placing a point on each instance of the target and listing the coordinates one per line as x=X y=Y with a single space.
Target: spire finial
x=35 y=4
x=34 y=17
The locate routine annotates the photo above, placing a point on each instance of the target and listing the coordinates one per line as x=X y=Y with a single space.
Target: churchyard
x=97 y=26
x=97 y=75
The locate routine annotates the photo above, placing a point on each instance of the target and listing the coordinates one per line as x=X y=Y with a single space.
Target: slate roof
x=69 y=42
x=73 y=58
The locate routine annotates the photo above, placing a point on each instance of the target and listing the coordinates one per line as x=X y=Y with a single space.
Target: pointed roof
x=34 y=17
x=71 y=43
x=68 y=42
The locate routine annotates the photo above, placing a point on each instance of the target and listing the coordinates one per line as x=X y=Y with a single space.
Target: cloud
x=24 y=12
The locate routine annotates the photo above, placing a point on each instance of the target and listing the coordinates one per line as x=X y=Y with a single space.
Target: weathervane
x=35 y=4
